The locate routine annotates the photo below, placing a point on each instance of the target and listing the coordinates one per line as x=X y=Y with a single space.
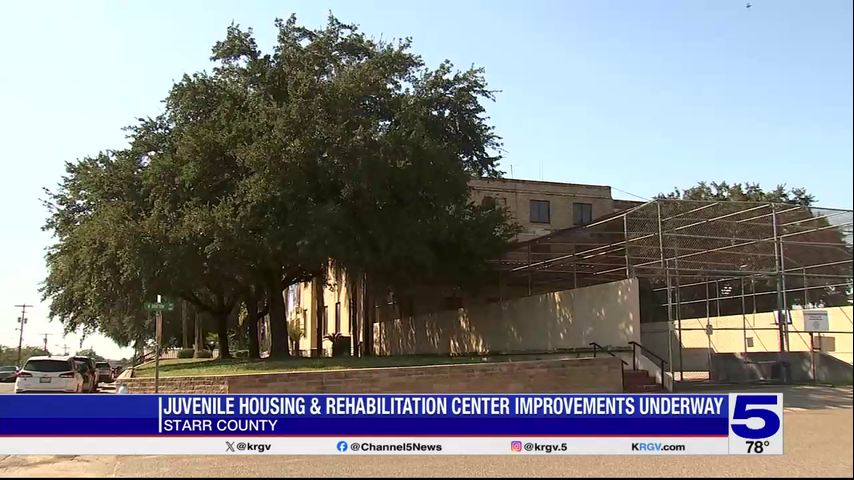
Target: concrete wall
x=586 y=375
x=607 y=314
x=197 y=385
x=803 y=367
x=730 y=334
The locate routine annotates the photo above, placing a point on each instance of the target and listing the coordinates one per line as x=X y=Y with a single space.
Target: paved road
x=103 y=388
x=818 y=442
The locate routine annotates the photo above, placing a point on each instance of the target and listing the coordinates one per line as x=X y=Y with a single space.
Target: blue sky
x=639 y=95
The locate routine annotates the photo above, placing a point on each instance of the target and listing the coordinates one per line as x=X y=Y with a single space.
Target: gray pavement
x=102 y=388
x=818 y=442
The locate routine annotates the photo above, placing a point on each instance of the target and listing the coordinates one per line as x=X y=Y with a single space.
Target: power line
x=632 y=194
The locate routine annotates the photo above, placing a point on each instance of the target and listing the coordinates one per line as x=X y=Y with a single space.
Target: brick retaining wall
x=586 y=375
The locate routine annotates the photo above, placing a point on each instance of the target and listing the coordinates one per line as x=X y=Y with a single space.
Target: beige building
x=544 y=207
x=539 y=207
x=751 y=332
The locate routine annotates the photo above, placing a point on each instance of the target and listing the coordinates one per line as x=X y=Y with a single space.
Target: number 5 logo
x=750 y=406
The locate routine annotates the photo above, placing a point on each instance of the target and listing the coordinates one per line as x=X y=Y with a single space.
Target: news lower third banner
x=646 y=424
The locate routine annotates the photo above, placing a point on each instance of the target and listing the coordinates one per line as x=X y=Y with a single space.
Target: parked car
x=8 y=373
x=105 y=372
x=89 y=372
x=49 y=374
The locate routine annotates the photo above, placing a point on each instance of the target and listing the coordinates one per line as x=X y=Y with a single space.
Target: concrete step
x=656 y=388
x=640 y=381
x=637 y=377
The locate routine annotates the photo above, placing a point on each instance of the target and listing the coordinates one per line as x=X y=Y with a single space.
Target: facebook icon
x=342 y=446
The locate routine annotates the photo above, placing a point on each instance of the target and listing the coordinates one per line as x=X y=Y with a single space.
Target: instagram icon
x=516 y=446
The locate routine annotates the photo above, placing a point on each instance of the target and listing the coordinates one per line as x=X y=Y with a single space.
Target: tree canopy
x=88 y=352
x=816 y=252
x=332 y=147
x=9 y=355
x=738 y=192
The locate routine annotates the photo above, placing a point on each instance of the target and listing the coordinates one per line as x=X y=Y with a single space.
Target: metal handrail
x=647 y=350
x=662 y=362
x=596 y=345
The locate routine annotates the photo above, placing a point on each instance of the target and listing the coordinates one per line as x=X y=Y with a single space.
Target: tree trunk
x=185 y=342
x=252 y=318
x=279 y=340
x=367 y=319
x=234 y=320
x=198 y=344
x=222 y=333
x=319 y=283
x=353 y=288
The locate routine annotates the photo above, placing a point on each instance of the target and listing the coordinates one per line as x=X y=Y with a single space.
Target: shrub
x=186 y=353
x=241 y=354
x=203 y=354
x=340 y=344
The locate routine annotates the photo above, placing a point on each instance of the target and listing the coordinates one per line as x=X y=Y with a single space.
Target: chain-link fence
x=714 y=277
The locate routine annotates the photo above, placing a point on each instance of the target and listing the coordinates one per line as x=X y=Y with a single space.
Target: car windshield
x=7 y=369
x=102 y=365
x=47 y=366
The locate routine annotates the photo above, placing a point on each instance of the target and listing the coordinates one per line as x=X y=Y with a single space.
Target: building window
x=540 y=211
x=749 y=342
x=582 y=213
x=488 y=202
x=338 y=317
x=304 y=321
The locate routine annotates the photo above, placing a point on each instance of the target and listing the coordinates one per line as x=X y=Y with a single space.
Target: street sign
x=160 y=307
x=816 y=321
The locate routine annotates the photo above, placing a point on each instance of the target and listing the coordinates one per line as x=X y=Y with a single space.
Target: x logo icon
x=229 y=446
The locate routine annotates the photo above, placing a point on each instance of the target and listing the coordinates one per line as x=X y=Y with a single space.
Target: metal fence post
x=665 y=266
x=781 y=306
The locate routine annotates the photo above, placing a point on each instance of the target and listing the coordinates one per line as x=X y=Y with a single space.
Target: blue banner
x=365 y=415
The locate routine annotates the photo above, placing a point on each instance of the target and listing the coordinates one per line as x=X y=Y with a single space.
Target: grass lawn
x=187 y=367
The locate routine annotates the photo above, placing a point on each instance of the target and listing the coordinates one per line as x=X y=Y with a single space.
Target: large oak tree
x=334 y=147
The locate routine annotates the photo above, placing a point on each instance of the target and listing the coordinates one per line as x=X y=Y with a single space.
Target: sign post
x=158 y=309
x=158 y=327
x=815 y=321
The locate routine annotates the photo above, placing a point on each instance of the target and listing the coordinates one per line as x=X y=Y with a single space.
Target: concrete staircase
x=640 y=381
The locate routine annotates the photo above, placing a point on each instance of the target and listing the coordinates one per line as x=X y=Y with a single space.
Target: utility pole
x=45 y=335
x=22 y=320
